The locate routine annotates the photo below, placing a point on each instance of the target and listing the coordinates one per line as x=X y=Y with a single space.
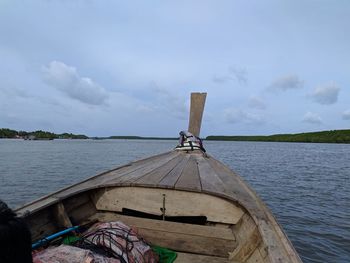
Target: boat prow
x=184 y=200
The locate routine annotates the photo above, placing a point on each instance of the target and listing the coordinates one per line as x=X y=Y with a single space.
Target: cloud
x=167 y=101
x=326 y=94
x=289 y=82
x=240 y=74
x=240 y=116
x=234 y=74
x=256 y=103
x=15 y=92
x=221 y=79
x=312 y=118
x=66 y=79
x=346 y=115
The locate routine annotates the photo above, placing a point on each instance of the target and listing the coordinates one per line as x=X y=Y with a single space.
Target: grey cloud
x=167 y=101
x=326 y=94
x=234 y=74
x=256 y=103
x=240 y=116
x=22 y=94
x=289 y=82
x=346 y=115
x=312 y=118
x=66 y=79
x=221 y=79
x=240 y=74
x=16 y=92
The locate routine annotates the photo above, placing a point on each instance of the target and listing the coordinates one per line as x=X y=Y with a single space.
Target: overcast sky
x=127 y=67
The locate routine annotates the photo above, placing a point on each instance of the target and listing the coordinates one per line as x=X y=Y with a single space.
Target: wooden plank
x=112 y=177
x=171 y=178
x=206 y=240
x=189 y=178
x=82 y=212
x=167 y=226
x=153 y=177
x=196 y=112
x=248 y=237
x=255 y=257
x=209 y=179
x=236 y=189
x=42 y=231
x=246 y=249
x=74 y=202
x=188 y=242
x=41 y=224
x=61 y=218
x=36 y=205
x=151 y=166
x=134 y=166
x=195 y=258
x=177 y=203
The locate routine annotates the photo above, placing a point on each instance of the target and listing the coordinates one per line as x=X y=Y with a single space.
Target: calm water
x=307 y=186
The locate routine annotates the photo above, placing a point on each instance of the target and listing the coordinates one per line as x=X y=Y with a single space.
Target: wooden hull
x=186 y=201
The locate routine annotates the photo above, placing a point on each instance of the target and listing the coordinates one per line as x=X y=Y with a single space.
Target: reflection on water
x=307 y=186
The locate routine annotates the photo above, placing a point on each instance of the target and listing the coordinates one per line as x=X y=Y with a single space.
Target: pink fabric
x=69 y=254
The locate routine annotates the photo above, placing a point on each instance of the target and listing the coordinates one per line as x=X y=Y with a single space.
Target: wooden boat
x=183 y=200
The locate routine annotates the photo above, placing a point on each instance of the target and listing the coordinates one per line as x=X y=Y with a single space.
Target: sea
x=307 y=186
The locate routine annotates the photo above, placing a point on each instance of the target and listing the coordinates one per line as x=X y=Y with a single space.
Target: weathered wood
x=255 y=257
x=247 y=248
x=41 y=224
x=278 y=244
x=171 y=178
x=153 y=177
x=189 y=178
x=36 y=205
x=73 y=203
x=167 y=226
x=177 y=203
x=209 y=180
x=196 y=112
x=113 y=176
x=150 y=167
x=61 y=217
x=175 y=171
x=110 y=177
x=82 y=212
x=195 y=258
x=204 y=240
x=248 y=237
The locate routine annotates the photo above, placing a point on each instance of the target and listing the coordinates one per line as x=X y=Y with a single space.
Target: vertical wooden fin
x=196 y=113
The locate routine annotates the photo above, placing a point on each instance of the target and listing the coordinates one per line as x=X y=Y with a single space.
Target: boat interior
x=200 y=227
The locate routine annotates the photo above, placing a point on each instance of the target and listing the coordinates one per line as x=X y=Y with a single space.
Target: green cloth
x=68 y=240
x=165 y=255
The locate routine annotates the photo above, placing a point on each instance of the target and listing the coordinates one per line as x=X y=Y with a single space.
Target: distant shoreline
x=332 y=136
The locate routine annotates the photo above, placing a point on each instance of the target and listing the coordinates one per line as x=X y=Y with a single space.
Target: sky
x=103 y=67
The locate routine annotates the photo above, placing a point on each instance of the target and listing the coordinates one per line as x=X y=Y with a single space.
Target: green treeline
x=334 y=136
x=38 y=135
